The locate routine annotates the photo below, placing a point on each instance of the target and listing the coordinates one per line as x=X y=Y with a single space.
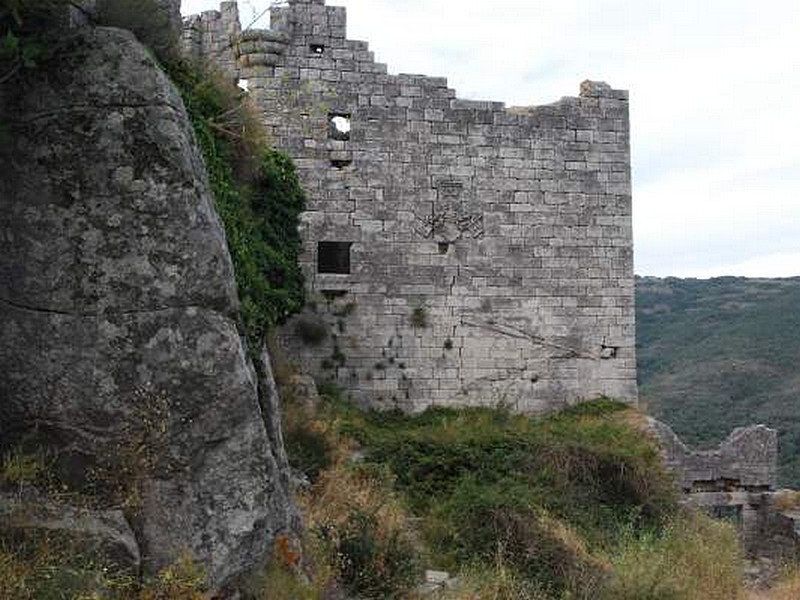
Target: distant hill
x=720 y=353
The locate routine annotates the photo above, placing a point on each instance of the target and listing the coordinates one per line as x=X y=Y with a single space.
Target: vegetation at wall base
x=567 y=506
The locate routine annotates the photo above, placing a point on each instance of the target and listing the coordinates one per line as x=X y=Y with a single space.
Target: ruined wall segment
x=736 y=481
x=470 y=253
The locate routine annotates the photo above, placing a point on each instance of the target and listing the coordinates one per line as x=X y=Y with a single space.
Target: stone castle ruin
x=456 y=251
x=737 y=481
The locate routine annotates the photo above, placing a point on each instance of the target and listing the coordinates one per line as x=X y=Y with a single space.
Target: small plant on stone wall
x=448 y=344
x=311 y=329
x=419 y=317
x=338 y=356
x=346 y=310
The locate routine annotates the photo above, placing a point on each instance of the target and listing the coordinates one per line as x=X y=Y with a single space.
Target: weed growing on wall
x=419 y=317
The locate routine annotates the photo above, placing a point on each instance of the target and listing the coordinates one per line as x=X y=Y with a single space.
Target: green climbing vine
x=258 y=197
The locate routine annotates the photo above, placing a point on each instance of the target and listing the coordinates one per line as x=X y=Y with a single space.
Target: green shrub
x=504 y=522
x=309 y=450
x=419 y=317
x=363 y=529
x=585 y=460
x=545 y=495
x=370 y=562
x=259 y=202
x=311 y=329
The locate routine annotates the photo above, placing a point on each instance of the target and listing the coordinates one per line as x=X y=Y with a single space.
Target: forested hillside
x=720 y=353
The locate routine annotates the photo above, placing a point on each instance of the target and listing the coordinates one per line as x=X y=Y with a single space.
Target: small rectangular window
x=316 y=49
x=333 y=257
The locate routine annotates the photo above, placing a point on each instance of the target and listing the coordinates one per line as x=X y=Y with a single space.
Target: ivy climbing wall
x=456 y=252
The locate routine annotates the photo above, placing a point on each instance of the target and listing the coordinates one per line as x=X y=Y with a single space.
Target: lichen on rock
x=120 y=352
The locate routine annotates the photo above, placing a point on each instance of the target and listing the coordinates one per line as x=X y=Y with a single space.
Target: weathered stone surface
x=745 y=461
x=118 y=347
x=105 y=532
x=509 y=228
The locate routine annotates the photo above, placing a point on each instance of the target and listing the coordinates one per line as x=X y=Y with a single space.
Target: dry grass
x=696 y=558
x=787 y=588
x=49 y=569
x=787 y=501
x=496 y=583
x=343 y=489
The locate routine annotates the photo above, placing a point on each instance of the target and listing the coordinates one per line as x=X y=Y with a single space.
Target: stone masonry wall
x=490 y=248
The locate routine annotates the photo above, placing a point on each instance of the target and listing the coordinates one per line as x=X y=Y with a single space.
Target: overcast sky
x=715 y=104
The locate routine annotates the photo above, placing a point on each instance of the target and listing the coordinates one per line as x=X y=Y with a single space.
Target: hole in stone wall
x=608 y=352
x=339 y=126
x=724 y=512
x=341 y=163
x=331 y=295
x=444 y=247
x=333 y=257
x=244 y=85
x=316 y=49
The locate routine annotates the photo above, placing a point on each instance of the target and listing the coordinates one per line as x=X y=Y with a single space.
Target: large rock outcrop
x=119 y=350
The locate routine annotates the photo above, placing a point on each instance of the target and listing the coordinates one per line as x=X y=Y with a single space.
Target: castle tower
x=457 y=252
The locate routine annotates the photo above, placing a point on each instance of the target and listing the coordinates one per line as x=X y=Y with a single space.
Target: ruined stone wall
x=746 y=461
x=489 y=249
x=736 y=481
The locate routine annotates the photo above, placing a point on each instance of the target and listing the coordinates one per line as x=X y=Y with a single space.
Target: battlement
x=455 y=251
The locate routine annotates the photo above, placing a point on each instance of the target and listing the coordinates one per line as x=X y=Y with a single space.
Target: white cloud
x=713 y=93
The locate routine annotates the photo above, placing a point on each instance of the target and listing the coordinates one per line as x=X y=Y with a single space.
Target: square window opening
x=317 y=49
x=333 y=257
x=339 y=126
x=444 y=247
x=244 y=85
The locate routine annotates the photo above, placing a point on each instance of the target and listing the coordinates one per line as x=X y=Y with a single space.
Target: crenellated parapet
x=210 y=38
